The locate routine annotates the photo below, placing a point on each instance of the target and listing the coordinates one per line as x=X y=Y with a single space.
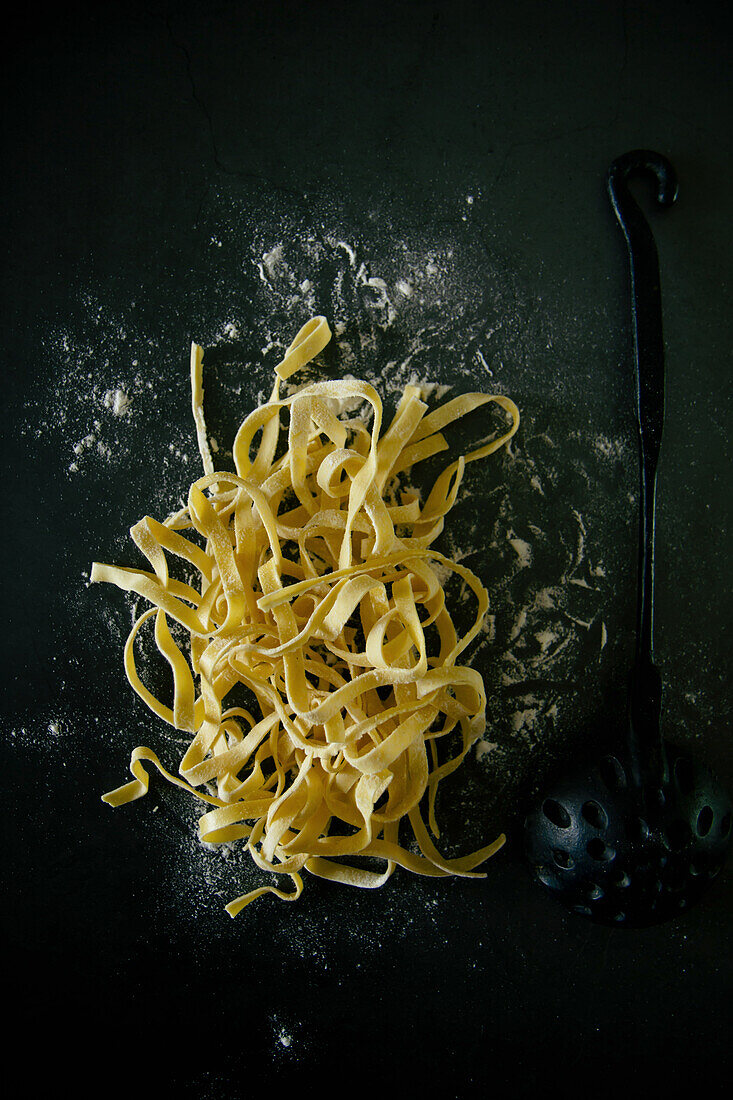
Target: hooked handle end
x=640 y=161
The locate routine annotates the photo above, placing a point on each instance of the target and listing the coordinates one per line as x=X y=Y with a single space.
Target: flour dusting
x=538 y=522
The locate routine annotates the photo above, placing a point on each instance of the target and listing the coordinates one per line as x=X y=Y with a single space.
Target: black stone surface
x=154 y=155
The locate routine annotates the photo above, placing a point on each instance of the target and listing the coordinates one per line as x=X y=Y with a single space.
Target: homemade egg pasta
x=312 y=583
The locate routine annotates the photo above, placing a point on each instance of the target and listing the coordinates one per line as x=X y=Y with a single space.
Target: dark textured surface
x=154 y=153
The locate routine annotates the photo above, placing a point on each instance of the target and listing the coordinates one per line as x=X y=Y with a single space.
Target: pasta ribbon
x=318 y=594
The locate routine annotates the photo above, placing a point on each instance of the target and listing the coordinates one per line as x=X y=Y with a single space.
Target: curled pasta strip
x=317 y=591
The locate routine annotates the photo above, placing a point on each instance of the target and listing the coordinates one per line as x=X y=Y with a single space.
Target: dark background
x=152 y=153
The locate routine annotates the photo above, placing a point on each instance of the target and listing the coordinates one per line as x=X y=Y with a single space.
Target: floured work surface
x=548 y=527
x=171 y=181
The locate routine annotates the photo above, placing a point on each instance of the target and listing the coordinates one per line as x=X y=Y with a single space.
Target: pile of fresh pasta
x=312 y=583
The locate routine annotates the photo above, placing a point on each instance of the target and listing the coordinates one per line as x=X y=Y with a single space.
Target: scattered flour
x=484 y=748
x=523 y=550
x=416 y=315
x=118 y=401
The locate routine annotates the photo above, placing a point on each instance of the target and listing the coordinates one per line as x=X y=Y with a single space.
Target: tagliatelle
x=317 y=590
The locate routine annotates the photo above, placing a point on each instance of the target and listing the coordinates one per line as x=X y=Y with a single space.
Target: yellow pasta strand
x=337 y=625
